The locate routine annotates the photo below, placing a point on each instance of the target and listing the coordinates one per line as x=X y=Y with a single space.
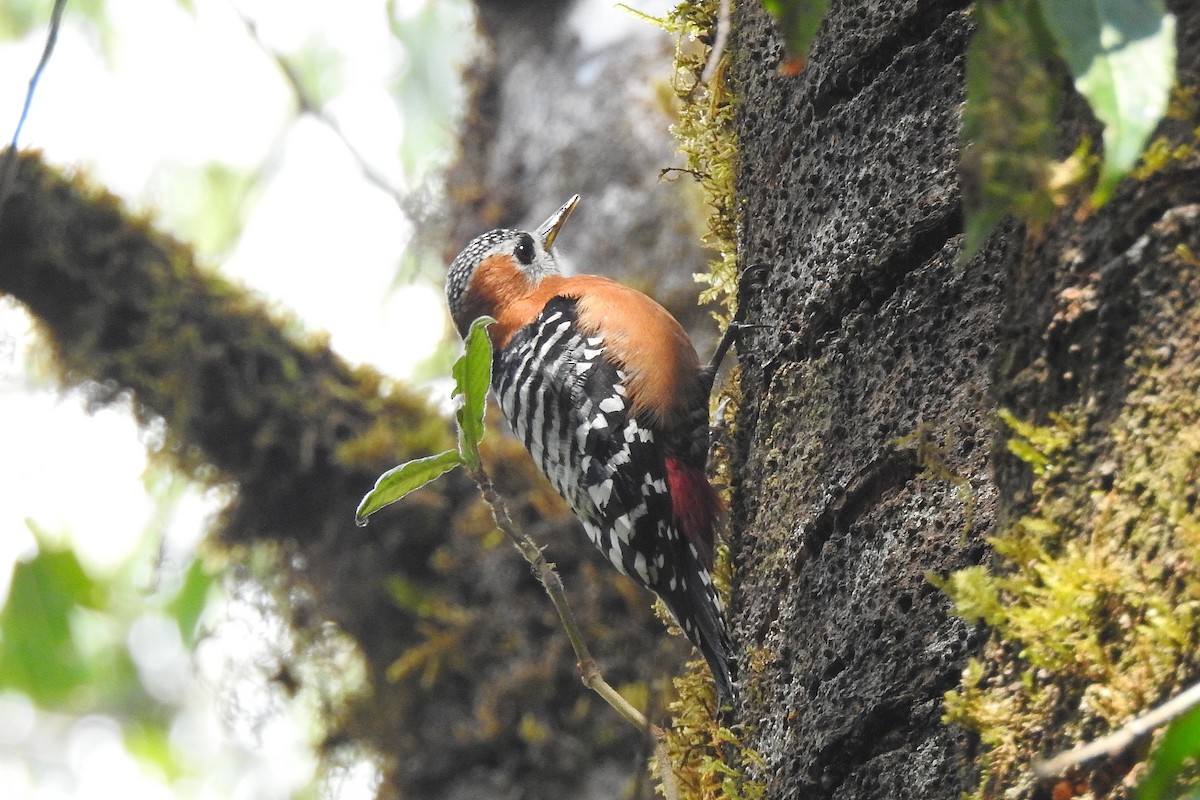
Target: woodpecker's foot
x=751 y=280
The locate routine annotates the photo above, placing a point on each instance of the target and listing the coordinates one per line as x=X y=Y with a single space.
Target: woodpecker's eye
x=524 y=249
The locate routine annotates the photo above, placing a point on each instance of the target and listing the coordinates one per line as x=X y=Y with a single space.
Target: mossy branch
x=237 y=393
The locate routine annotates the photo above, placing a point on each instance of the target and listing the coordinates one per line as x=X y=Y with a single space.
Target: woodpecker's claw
x=751 y=280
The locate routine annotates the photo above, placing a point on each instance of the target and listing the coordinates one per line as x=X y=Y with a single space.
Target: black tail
x=712 y=641
x=697 y=608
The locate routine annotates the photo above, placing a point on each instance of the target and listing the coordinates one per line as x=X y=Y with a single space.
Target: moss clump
x=1180 y=144
x=706 y=756
x=705 y=134
x=1096 y=605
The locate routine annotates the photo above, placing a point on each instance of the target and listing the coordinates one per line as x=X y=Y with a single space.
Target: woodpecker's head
x=501 y=266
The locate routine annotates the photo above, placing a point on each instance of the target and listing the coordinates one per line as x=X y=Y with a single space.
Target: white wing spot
x=639 y=566
x=600 y=493
x=614 y=555
x=651 y=485
x=610 y=404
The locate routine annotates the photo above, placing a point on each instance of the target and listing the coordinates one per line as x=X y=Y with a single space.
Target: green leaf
x=399 y=481
x=1180 y=745
x=38 y=652
x=473 y=377
x=1008 y=128
x=799 y=20
x=187 y=606
x=1122 y=56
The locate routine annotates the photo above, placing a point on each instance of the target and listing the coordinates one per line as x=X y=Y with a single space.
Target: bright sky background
x=167 y=93
x=141 y=108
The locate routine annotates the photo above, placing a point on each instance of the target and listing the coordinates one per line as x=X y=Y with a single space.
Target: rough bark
x=868 y=450
x=866 y=421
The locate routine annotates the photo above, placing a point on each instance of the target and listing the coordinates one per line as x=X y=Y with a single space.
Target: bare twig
x=1120 y=739
x=9 y=170
x=548 y=575
x=665 y=171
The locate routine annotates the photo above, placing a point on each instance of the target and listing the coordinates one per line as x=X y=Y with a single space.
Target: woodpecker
x=606 y=391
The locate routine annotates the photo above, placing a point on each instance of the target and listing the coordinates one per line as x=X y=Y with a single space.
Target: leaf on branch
x=473 y=377
x=407 y=477
x=1121 y=54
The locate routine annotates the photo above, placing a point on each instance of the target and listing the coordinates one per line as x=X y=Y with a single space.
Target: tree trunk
x=868 y=451
x=864 y=440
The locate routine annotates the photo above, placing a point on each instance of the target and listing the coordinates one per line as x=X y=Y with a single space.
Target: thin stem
x=722 y=38
x=308 y=104
x=8 y=169
x=1117 y=741
x=589 y=672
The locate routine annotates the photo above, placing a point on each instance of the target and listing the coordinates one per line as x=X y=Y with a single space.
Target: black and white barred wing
x=567 y=403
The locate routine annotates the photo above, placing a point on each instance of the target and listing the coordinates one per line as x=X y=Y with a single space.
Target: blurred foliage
x=51 y=630
x=1121 y=55
x=319 y=69
x=799 y=21
x=429 y=88
x=1008 y=125
x=67 y=638
x=64 y=630
x=212 y=203
x=18 y=18
x=1174 y=765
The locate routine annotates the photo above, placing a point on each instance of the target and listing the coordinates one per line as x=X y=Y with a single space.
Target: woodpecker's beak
x=548 y=230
